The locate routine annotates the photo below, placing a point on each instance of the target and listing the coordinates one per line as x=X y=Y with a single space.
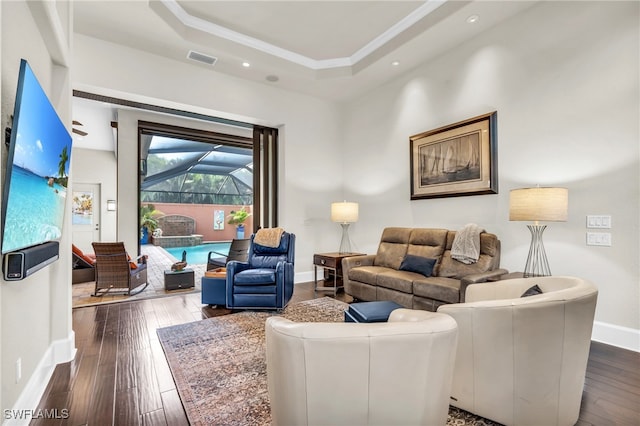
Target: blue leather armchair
x=265 y=280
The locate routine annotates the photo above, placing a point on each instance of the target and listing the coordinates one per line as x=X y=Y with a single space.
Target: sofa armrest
x=411 y=315
x=479 y=278
x=353 y=261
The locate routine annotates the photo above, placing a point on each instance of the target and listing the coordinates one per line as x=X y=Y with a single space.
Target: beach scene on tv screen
x=39 y=172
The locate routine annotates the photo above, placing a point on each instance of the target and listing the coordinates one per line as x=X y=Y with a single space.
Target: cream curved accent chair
x=522 y=360
x=393 y=373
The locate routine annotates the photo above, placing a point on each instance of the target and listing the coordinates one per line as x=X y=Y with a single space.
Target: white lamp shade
x=533 y=204
x=344 y=212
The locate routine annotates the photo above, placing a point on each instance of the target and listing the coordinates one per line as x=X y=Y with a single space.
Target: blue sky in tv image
x=41 y=136
x=39 y=159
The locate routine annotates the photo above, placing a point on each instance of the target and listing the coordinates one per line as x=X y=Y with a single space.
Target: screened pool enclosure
x=191 y=172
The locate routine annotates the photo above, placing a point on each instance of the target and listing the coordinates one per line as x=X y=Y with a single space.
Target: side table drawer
x=324 y=261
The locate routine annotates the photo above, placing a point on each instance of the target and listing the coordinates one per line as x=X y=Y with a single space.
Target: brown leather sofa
x=378 y=277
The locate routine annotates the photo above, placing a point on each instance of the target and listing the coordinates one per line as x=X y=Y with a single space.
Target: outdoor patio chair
x=239 y=251
x=83 y=266
x=116 y=271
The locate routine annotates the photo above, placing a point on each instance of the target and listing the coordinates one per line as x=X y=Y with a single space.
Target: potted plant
x=237 y=218
x=148 y=221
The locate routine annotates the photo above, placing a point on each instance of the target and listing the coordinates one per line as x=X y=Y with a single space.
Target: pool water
x=199 y=254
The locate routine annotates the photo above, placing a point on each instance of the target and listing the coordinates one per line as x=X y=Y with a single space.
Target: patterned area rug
x=219 y=366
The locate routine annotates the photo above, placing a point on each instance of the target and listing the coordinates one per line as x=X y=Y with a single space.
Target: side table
x=174 y=280
x=332 y=262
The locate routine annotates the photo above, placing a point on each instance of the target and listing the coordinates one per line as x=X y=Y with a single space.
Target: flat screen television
x=36 y=179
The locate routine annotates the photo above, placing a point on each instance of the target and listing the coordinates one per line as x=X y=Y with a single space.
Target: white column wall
x=35 y=313
x=94 y=166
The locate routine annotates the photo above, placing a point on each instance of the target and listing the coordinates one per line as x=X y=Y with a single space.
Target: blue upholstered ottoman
x=378 y=311
x=214 y=291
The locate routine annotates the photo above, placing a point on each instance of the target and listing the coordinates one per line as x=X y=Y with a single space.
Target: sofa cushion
x=427 y=242
x=398 y=280
x=418 y=264
x=393 y=247
x=255 y=276
x=438 y=288
x=367 y=274
x=451 y=268
x=489 y=244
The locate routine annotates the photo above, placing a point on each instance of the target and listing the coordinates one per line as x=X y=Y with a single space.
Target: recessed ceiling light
x=472 y=19
x=246 y=64
x=395 y=63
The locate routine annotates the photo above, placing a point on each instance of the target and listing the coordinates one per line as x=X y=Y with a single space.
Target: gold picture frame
x=455 y=160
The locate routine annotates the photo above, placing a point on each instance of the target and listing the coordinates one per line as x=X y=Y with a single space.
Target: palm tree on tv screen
x=64 y=157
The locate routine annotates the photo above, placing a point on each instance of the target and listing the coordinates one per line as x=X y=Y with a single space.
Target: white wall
x=92 y=166
x=563 y=77
x=35 y=316
x=311 y=172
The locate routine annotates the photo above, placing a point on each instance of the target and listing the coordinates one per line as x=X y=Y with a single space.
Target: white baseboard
x=303 y=277
x=615 y=335
x=24 y=410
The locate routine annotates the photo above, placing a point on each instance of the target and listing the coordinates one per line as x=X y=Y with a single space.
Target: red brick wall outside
x=203 y=214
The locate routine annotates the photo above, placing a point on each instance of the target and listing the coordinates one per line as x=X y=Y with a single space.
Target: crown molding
x=199 y=24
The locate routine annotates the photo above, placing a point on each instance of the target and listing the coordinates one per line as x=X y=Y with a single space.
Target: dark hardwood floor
x=120 y=375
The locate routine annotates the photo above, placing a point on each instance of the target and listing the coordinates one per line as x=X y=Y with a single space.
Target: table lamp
x=345 y=213
x=538 y=204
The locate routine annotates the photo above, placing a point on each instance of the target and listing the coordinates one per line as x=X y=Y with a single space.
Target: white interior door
x=85 y=218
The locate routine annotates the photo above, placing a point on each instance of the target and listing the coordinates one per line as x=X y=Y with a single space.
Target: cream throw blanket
x=466 y=244
x=268 y=237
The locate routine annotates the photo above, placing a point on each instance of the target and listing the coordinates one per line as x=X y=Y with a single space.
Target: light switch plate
x=599 y=221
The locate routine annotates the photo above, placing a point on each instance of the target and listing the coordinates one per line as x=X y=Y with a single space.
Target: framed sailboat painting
x=456 y=160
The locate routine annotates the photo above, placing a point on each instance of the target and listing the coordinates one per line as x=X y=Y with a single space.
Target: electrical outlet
x=598 y=239
x=18 y=370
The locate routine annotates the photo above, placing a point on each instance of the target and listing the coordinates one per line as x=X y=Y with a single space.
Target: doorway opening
x=196 y=188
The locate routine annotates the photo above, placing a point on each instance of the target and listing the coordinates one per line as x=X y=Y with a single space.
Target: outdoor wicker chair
x=116 y=271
